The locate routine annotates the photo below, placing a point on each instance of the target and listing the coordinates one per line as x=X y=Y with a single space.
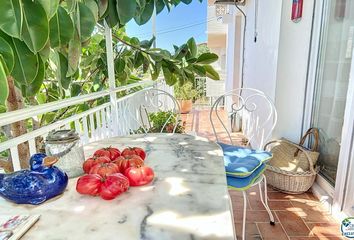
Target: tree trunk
x=15 y=102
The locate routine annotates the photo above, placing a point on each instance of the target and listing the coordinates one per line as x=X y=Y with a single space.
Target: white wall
x=277 y=63
x=261 y=57
x=233 y=48
x=294 y=47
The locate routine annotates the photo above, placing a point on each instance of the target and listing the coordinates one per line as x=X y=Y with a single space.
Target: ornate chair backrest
x=143 y=107
x=248 y=111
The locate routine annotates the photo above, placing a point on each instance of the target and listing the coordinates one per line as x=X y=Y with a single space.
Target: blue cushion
x=242 y=162
x=242 y=184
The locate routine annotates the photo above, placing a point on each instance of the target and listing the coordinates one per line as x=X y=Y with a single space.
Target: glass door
x=332 y=78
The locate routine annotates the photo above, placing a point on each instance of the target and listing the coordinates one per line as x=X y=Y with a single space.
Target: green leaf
x=146 y=64
x=126 y=10
x=62 y=70
x=181 y=52
x=138 y=59
x=71 y=5
x=147 y=43
x=35 y=27
x=26 y=63
x=170 y=78
x=119 y=65
x=50 y=7
x=186 y=1
x=207 y=58
x=102 y=7
x=74 y=54
x=135 y=41
x=45 y=52
x=211 y=73
x=142 y=16
x=11 y=17
x=35 y=86
x=61 y=28
x=159 y=5
x=199 y=70
x=192 y=47
x=7 y=54
x=156 y=71
x=2 y=108
x=112 y=17
x=4 y=89
x=122 y=77
x=86 y=22
x=75 y=89
x=92 y=5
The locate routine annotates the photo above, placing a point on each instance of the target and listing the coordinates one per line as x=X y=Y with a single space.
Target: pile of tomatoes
x=110 y=172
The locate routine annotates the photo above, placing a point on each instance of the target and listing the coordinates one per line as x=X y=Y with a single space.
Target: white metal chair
x=140 y=108
x=252 y=113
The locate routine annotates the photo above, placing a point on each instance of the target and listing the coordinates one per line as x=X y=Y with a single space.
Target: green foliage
x=185 y=92
x=55 y=49
x=3 y=84
x=163 y=119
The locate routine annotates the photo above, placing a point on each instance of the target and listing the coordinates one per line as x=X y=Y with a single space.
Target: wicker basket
x=293 y=182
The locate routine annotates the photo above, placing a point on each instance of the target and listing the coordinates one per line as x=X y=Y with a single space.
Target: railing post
x=111 y=80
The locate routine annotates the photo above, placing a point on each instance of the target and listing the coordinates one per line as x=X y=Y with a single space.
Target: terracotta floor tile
x=254 y=216
x=296 y=213
x=273 y=205
x=271 y=232
x=283 y=196
x=325 y=229
x=311 y=215
x=292 y=223
x=316 y=238
x=252 y=232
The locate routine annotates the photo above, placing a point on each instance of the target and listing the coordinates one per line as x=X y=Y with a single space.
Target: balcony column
x=111 y=80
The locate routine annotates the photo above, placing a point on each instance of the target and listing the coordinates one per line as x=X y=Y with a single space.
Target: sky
x=176 y=26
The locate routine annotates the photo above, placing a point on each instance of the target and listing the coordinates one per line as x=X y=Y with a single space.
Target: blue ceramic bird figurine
x=35 y=186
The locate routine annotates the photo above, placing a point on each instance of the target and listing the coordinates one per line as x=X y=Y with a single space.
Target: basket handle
x=299 y=148
x=315 y=133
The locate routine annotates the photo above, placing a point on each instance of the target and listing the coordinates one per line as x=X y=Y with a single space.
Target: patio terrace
x=298 y=217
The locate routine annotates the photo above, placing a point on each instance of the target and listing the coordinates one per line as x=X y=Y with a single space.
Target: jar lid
x=62 y=136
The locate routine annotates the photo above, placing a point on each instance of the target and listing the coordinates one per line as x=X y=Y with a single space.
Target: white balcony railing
x=92 y=125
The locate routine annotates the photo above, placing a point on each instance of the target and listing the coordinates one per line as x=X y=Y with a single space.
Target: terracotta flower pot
x=186 y=105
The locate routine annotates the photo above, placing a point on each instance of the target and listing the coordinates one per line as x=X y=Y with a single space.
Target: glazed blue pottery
x=35 y=186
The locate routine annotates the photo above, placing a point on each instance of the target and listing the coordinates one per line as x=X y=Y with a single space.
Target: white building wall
x=277 y=62
x=294 y=47
x=261 y=57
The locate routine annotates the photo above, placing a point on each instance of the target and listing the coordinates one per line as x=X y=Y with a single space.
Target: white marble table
x=187 y=200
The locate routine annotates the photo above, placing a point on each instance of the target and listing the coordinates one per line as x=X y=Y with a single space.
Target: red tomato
x=139 y=176
x=134 y=151
x=113 y=186
x=128 y=161
x=104 y=169
x=90 y=162
x=110 y=152
x=89 y=184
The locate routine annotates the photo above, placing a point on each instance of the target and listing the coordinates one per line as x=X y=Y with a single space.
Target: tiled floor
x=298 y=217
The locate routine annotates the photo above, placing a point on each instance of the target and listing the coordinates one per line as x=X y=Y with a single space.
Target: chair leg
x=265 y=201
x=244 y=215
x=233 y=219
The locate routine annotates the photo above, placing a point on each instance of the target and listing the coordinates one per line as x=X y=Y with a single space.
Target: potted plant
x=185 y=94
x=162 y=119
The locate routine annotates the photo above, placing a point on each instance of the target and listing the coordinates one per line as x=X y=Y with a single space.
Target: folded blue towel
x=242 y=162
x=242 y=184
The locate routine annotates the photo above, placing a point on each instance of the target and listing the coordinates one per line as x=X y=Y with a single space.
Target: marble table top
x=187 y=200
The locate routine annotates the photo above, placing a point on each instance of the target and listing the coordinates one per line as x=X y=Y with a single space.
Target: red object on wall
x=296 y=13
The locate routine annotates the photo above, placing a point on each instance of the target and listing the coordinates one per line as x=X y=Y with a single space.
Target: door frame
x=333 y=196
